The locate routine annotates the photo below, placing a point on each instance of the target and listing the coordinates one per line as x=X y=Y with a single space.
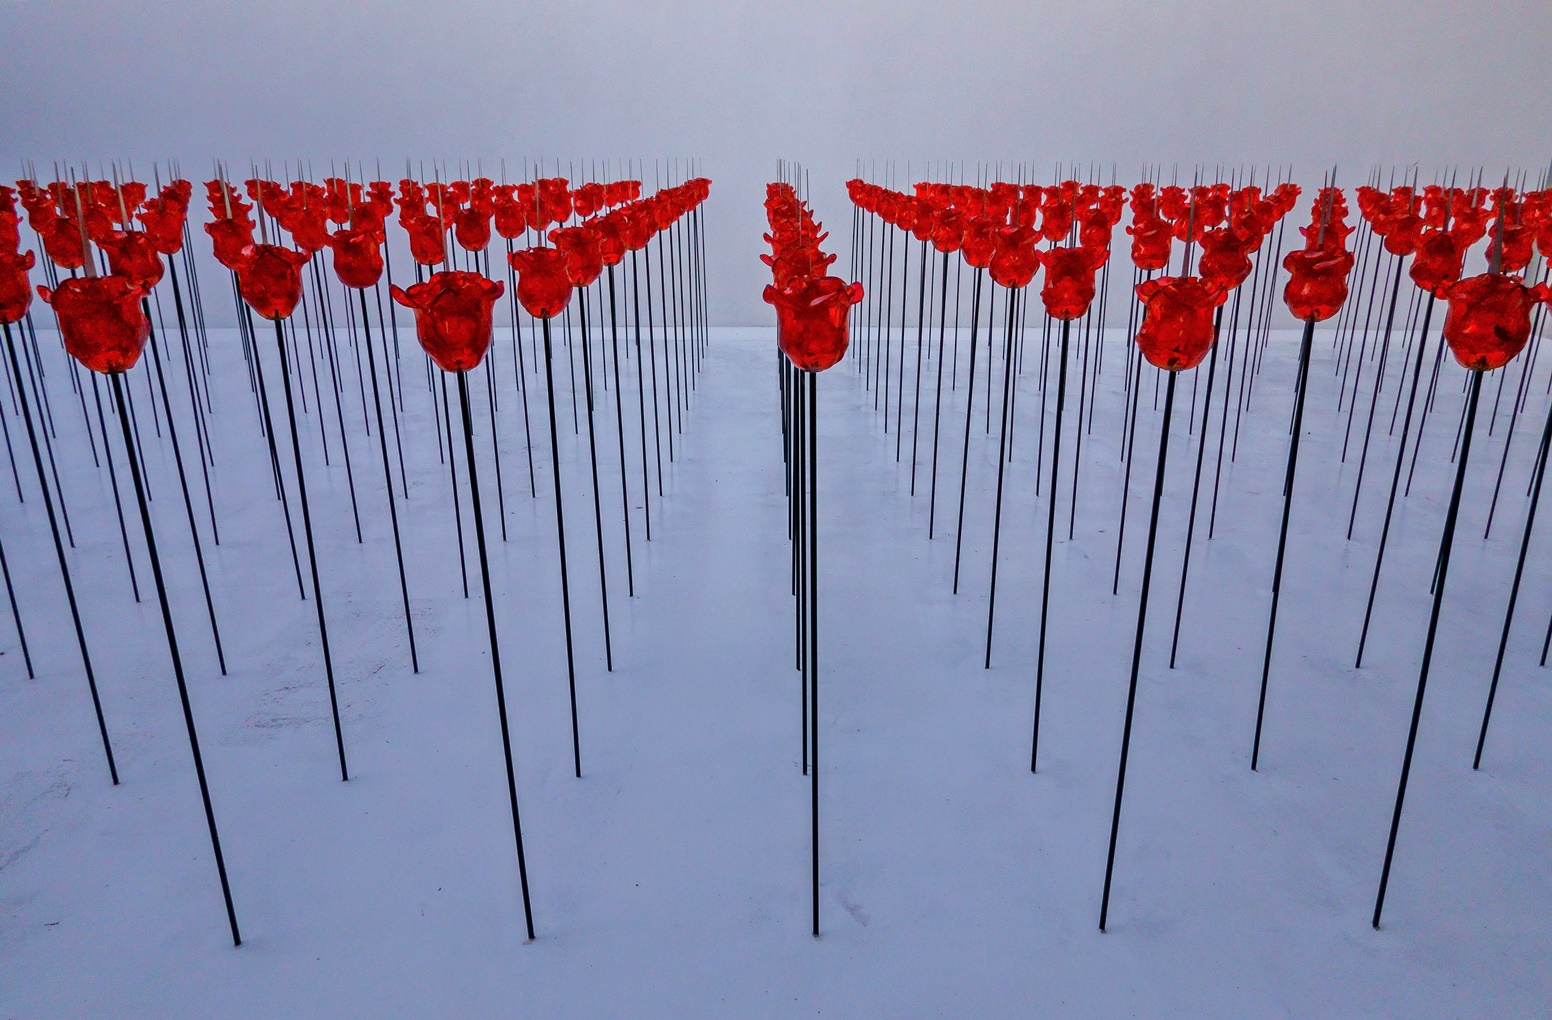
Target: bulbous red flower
x=611 y=240
x=1069 y=280
x=1489 y=319
x=15 y=291
x=132 y=254
x=428 y=243
x=1152 y=237
x=471 y=228
x=1016 y=260
x=1177 y=322
x=101 y=320
x=980 y=242
x=231 y=239
x=1317 y=282
x=270 y=279
x=62 y=241
x=1438 y=262
x=584 y=254
x=358 y=257
x=543 y=281
x=163 y=218
x=453 y=316
x=812 y=314
x=948 y=230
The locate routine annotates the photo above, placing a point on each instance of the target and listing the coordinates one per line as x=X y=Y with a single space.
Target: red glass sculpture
x=101 y=320
x=132 y=254
x=358 y=258
x=1177 y=324
x=453 y=316
x=1069 y=280
x=543 y=281
x=1489 y=319
x=1016 y=259
x=980 y=242
x=1317 y=282
x=1438 y=262
x=270 y=279
x=15 y=291
x=428 y=243
x=812 y=313
x=584 y=254
x=1152 y=237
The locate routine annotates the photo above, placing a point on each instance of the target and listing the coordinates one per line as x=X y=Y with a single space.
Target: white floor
x=672 y=880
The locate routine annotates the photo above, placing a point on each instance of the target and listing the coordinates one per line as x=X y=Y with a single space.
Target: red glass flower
x=231 y=240
x=358 y=258
x=1177 y=323
x=471 y=228
x=1317 y=282
x=270 y=279
x=812 y=313
x=1069 y=280
x=15 y=292
x=543 y=281
x=1489 y=319
x=1438 y=262
x=132 y=254
x=1152 y=237
x=428 y=243
x=584 y=254
x=453 y=316
x=62 y=242
x=1016 y=260
x=100 y=317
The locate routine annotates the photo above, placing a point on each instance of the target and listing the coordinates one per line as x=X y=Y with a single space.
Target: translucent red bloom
x=543 y=281
x=270 y=279
x=1069 y=280
x=15 y=291
x=1489 y=319
x=100 y=318
x=584 y=254
x=1177 y=323
x=1317 y=282
x=453 y=316
x=1438 y=262
x=812 y=313
x=1016 y=260
x=428 y=243
x=358 y=257
x=132 y=254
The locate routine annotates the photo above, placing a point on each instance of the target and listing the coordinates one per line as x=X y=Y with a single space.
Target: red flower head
x=584 y=254
x=1226 y=256
x=1517 y=241
x=15 y=293
x=1317 y=282
x=511 y=214
x=132 y=254
x=948 y=230
x=270 y=279
x=1438 y=262
x=62 y=242
x=1177 y=323
x=452 y=316
x=554 y=198
x=980 y=242
x=231 y=239
x=543 y=282
x=1016 y=261
x=163 y=217
x=428 y=242
x=1489 y=319
x=611 y=239
x=811 y=319
x=924 y=221
x=471 y=228
x=358 y=257
x=1069 y=280
x=1152 y=237
x=637 y=226
x=103 y=325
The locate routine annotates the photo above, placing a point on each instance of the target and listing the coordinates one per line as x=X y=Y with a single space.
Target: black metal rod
x=495 y=646
x=1450 y=518
x=274 y=457
x=813 y=633
x=1050 y=541
x=393 y=510
x=1196 y=487
x=1395 y=482
x=1514 y=589
x=560 y=542
x=59 y=553
x=1002 y=461
x=619 y=423
x=592 y=450
x=1142 y=616
x=964 y=461
x=177 y=660
x=937 y=410
x=312 y=551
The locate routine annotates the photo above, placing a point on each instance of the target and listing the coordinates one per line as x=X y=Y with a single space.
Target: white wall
x=741 y=83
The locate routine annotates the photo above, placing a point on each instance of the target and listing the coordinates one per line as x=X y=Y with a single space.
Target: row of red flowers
x=812 y=307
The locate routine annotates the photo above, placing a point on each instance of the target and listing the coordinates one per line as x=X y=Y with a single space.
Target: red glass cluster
x=813 y=309
x=1317 y=273
x=453 y=316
